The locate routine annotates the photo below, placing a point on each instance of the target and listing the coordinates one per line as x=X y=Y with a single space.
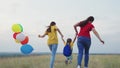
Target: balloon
x=17 y=28
x=25 y=41
x=20 y=37
x=26 y=49
x=21 y=27
x=17 y=41
x=14 y=35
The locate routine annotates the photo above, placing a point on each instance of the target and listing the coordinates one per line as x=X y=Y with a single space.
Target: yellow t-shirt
x=52 y=36
x=71 y=44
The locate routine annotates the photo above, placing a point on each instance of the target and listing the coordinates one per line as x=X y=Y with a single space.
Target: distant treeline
x=3 y=55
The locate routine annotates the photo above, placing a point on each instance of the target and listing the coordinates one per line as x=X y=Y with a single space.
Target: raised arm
x=75 y=38
x=97 y=35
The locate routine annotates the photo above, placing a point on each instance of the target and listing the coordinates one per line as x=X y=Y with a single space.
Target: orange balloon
x=25 y=41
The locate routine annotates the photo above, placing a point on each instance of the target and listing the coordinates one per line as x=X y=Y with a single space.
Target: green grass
x=42 y=61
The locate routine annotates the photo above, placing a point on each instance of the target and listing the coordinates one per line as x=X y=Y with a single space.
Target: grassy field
x=42 y=61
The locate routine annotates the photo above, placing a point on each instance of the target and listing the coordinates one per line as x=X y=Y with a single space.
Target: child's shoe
x=66 y=62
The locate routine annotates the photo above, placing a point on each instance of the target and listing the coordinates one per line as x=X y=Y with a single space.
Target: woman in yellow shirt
x=52 y=40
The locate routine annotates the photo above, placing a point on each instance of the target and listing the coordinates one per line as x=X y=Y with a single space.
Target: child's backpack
x=67 y=51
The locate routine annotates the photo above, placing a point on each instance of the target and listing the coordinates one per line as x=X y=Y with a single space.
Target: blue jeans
x=53 y=49
x=83 y=44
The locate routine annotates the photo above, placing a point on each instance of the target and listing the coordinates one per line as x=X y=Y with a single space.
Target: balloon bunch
x=19 y=37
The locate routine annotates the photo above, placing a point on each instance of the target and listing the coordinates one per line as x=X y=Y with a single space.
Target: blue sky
x=35 y=15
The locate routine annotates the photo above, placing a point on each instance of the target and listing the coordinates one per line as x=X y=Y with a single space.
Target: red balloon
x=25 y=41
x=15 y=34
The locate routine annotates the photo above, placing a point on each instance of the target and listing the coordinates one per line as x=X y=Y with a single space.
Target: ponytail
x=49 y=27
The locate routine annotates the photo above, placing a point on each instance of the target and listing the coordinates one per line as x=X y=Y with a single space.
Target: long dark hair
x=49 y=27
x=83 y=23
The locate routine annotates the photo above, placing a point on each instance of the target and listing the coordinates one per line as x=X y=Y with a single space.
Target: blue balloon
x=26 y=49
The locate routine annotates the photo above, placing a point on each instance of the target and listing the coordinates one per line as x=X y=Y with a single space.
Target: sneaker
x=78 y=66
x=66 y=62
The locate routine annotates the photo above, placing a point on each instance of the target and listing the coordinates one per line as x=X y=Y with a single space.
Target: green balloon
x=21 y=27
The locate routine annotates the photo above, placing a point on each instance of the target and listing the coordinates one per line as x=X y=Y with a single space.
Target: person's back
x=85 y=30
x=53 y=39
x=67 y=51
x=52 y=42
x=84 y=40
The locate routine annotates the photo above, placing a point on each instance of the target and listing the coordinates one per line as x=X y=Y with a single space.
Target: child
x=69 y=43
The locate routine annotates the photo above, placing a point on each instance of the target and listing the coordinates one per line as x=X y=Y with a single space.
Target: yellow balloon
x=17 y=28
x=17 y=41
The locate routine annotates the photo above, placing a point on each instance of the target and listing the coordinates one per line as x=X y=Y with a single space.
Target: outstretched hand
x=102 y=41
x=39 y=36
